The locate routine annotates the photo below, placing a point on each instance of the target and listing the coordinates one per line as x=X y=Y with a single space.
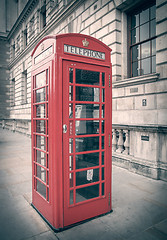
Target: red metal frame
x=55 y=207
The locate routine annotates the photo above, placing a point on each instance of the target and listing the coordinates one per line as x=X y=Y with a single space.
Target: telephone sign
x=71 y=129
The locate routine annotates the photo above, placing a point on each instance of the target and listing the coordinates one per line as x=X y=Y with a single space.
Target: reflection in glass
x=153 y=11
x=135 y=53
x=71 y=198
x=103 y=143
x=103 y=79
x=102 y=159
x=87 y=110
x=70 y=163
x=41 y=79
x=153 y=64
x=103 y=95
x=103 y=111
x=87 y=94
x=41 y=126
x=153 y=28
x=144 y=16
x=135 y=69
x=86 y=127
x=135 y=21
x=41 y=142
x=153 y=47
x=87 y=160
x=41 y=173
x=86 y=193
x=41 y=158
x=135 y=35
x=144 y=32
x=86 y=144
x=71 y=179
x=87 y=77
x=145 y=50
x=85 y=177
x=146 y=66
x=41 y=188
x=103 y=127
x=40 y=111
x=40 y=95
x=102 y=189
x=102 y=173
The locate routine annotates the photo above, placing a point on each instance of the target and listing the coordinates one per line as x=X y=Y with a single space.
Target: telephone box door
x=86 y=141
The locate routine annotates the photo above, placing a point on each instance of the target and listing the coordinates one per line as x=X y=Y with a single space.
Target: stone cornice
x=136 y=80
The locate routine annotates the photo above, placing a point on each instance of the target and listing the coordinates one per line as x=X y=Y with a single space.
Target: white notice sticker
x=89 y=174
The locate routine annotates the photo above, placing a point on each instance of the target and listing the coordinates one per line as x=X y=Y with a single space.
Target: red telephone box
x=71 y=129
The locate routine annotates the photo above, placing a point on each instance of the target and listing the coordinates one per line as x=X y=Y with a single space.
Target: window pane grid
x=143 y=30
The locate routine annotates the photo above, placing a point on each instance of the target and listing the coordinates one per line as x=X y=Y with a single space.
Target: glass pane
x=145 y=50
x=41 y=126
x=85 y=177
x=102 y=173
x=71 y=198
x=40 y=95
x=48 y=194
x=40 y=111
x=144 y=32
x=41 y=158
x=153 y=64
x=87 y=94
x=153 y=47
x=86 y=144
x=153 y=12
x=87 y=110
x=70 y=145
x=86 y=127
x=144 y=16
x=145 y=63
x=102 y=160
x=70 y=93
x=103 y=111
x=71 y=75
x=87 y=160
x=71 y=177
x=103 y=95
x=103 y=143
x=135 y=53
x=70 y=110
x=41 y=173
x=86 y=193
x=135 y=69
x=135 y=21
x=41 y=142
x=102 y=188
x=41 y=188
x=70 y=163
x=103 y=127
x=135 y=35
x=87 y=77
x=153 y=28
x=103 y=79
x=41 y=79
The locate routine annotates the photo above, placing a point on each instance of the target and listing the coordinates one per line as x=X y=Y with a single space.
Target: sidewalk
x=139 y=203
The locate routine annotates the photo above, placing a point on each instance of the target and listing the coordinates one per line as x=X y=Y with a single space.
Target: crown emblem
x=85 y=43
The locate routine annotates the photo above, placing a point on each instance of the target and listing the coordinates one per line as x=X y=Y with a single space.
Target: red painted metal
x=66 y=189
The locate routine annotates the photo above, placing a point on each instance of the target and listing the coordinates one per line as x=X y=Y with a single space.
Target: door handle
x=64 y=128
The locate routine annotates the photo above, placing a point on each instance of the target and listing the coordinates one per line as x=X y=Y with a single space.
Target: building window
x=43 y=16
x=25 y=37
x=13 y=92
x=24 y=87
x=143 y=42
x=18 y=43
x=32 y=26
x=13 y=50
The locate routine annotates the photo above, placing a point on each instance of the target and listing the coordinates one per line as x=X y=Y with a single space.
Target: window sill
x=136 y=80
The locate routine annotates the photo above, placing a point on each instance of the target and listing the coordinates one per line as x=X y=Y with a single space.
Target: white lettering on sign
x=84 y=52
x=43 y=55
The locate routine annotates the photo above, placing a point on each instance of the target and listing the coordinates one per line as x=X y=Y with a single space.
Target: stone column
x=126 y=143
x=114 y=140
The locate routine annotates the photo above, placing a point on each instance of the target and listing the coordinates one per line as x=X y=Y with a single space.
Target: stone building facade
x=136 y=32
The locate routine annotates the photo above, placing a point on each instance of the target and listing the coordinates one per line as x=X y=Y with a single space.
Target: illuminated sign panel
x=84 y=52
